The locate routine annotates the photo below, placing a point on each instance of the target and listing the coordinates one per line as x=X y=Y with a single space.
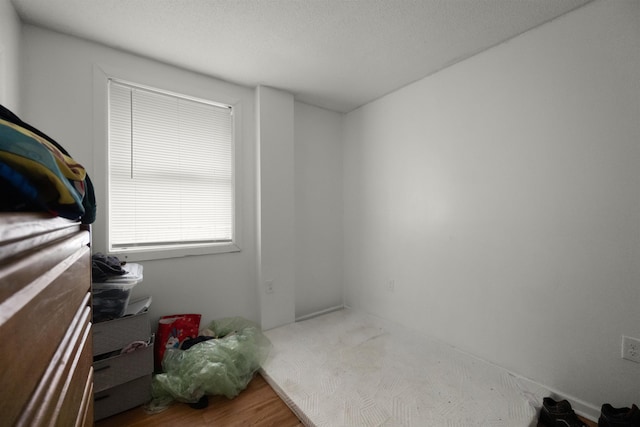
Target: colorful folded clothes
x=39 y=174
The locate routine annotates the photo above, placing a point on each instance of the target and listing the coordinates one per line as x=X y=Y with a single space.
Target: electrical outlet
x=268 y=286
x=631 y=349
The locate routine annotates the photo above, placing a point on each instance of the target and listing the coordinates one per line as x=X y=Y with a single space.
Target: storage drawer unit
x=120 y=398
x=122 y=368
x=118 y=333
x=121 y=381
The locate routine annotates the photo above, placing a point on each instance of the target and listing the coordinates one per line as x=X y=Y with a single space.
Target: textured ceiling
x=335 y=54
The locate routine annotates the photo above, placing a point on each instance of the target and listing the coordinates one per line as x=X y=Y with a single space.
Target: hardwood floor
x=587 y=422
x=257 y=406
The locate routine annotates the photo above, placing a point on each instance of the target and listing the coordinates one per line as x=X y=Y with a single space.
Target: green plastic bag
x=221 y=366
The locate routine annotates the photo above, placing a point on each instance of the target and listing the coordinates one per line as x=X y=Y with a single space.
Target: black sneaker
x=558 y=414
x=619 y=417
x=201 y=404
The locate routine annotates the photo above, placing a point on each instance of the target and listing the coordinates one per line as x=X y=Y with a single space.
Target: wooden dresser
x=46 y=374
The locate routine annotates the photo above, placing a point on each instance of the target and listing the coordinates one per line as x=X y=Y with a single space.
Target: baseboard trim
x=319 y=313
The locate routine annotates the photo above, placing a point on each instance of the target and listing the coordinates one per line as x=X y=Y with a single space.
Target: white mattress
x=350 y=369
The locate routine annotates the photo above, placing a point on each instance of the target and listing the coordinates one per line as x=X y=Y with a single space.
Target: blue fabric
x=41 y=174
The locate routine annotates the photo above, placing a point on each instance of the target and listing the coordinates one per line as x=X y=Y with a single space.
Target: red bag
x=172 y=331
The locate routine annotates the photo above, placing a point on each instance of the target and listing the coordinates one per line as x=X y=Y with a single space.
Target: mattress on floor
x=347 y=368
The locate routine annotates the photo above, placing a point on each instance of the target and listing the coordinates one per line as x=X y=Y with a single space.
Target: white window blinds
x=170 y=170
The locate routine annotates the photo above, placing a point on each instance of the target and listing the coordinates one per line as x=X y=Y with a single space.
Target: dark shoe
x=558 y=414
x=619 y=417
x=201 y=404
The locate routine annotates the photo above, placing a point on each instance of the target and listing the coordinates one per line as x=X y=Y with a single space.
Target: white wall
x=276 y=212
x=10 y=42
x=318 y=209
x=501 y=195
x=300 y=183
x=59 y=99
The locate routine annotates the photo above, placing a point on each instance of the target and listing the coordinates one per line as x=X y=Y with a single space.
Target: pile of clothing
x=109 y=302
x=105 y=267
x=38 y=174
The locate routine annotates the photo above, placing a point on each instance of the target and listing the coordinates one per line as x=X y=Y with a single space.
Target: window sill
x=149 y=254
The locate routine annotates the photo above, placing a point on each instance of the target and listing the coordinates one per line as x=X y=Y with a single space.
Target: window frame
x=102 y=75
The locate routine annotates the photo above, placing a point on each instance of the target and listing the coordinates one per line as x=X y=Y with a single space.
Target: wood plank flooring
x=587 y=422
x=258 y=405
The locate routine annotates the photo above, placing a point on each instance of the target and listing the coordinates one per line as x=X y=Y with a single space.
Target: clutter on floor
x=189 y=364
x=221 y=360
x=555 y=413
x=619 y=417
x=560 y=413
x=172 y=331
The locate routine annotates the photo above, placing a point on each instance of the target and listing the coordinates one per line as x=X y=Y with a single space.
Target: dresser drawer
x=39 y=314
x=59 y=398
x=122 y=397
x=72 y=406
x=120 y=369
x=116 y=334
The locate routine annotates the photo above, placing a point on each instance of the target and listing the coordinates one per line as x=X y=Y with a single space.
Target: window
x=171 y=173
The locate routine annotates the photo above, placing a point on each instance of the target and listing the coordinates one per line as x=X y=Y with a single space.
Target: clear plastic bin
x=110 y=300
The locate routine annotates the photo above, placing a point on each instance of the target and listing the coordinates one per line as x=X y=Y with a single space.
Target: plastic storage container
x=110 y=298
